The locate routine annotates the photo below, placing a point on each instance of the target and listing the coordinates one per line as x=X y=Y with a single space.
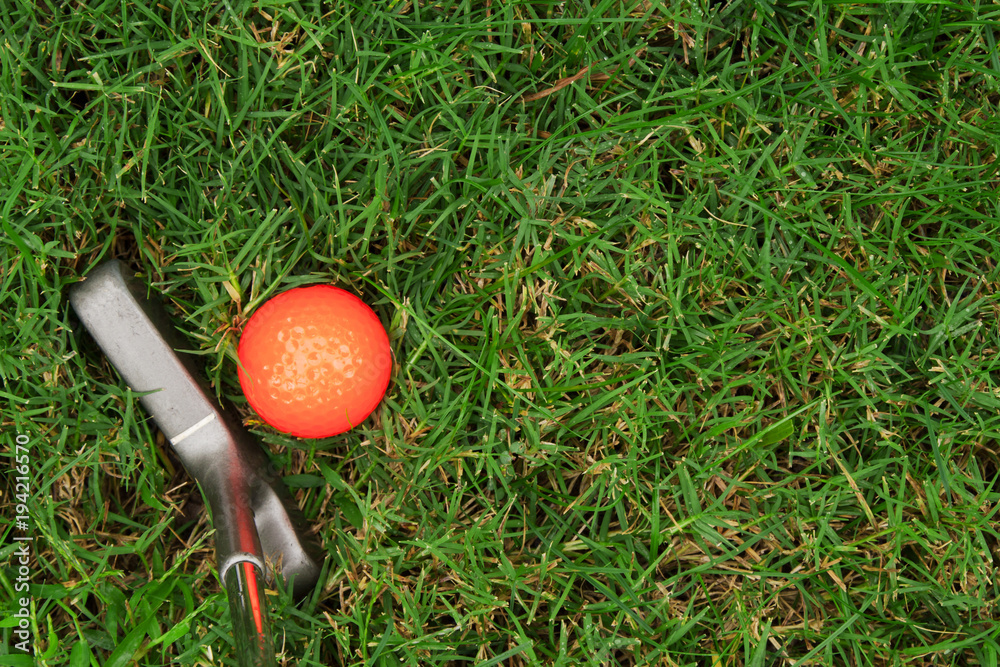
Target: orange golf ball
x=315 y=361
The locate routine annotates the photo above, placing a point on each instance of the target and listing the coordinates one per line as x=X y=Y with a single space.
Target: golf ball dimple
x=315 y=361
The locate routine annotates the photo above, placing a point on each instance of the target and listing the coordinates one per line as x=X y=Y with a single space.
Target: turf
x=694 y=309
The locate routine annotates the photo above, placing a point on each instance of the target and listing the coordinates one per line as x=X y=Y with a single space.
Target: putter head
x=254 y=516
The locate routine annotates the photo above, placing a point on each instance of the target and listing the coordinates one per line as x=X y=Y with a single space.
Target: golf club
x=258 y=526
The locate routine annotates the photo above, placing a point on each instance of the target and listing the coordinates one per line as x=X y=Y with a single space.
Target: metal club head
x=255 y=519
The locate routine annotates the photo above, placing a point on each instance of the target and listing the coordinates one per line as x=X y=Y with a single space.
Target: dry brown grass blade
x=560 y=84
x=598 y=78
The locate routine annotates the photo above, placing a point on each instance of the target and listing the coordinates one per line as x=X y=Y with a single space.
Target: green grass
x=696 y=354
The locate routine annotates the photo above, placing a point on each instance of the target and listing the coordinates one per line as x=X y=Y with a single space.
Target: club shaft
x=251 y=627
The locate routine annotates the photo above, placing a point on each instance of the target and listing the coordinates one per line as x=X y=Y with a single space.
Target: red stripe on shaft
x=250 y=572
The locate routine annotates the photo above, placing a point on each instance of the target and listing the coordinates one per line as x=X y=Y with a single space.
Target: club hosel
x=252 y=511
x=226 y=473
x=236 y=538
